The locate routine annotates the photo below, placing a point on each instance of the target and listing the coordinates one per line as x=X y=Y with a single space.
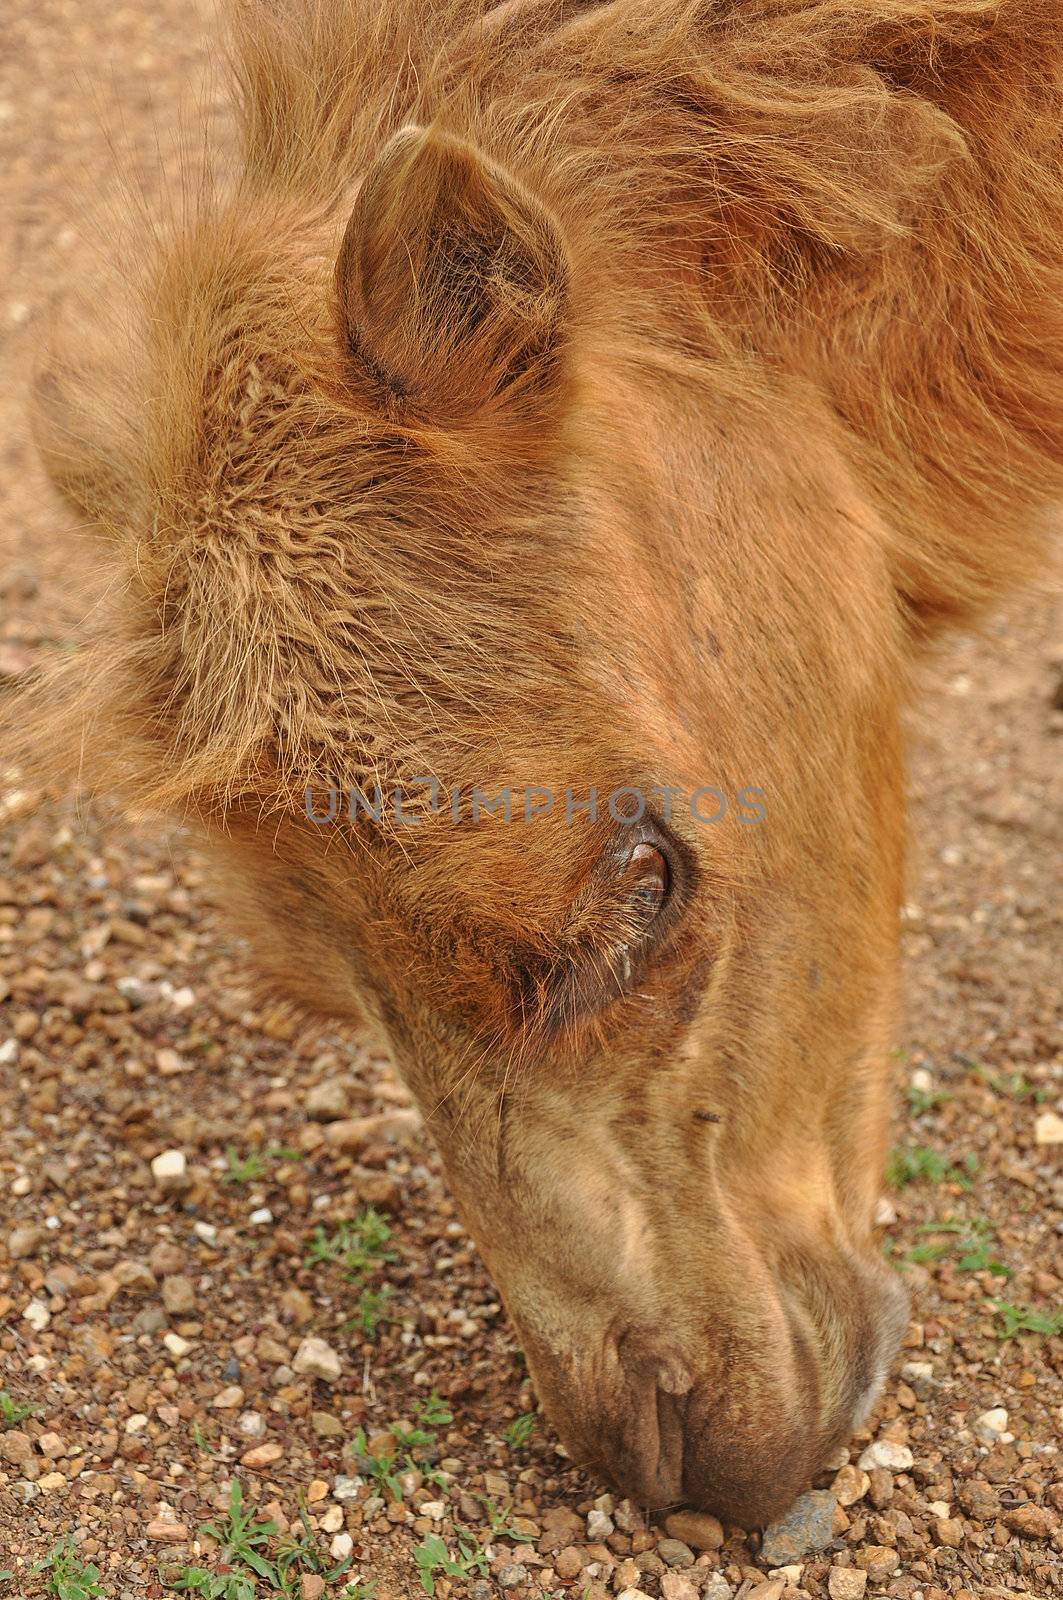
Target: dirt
x=154 y=1316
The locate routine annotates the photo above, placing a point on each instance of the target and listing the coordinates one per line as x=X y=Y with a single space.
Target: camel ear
x=452 y=280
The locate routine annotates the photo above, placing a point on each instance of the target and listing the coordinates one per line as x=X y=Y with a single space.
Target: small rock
x=328 y=1101
x=846 y=1583
x=676 y=1586
x=37 y=1315
x=1048 y=1128
x=16 y=1446
x=880 y=1491
x=992 y=1426
x=25 y=1241
x=311 y=1586
x=850 y=1485
x=341 y=1547
x=879 y=1561
x=297 y=1306
x=260 y=1217
x=696 y=1529
x=332 y=1520
x=165 y=1531
x=345 y=1489
x=716 y=1587
x=508 y=1577
x=179 y=1295
x=568 y=1563
x=394 y=1127
x=51 y=1446
x=599 y=1526
x=135 y=1277
x=252 y=1424
x=51 y=1480
x=262 y=1455
x=170 y=1171
x=885 y=1453
x=771 y=1589
x=674 y=1553
x=326 y=1426
x=949 y=1531
x=1033 y=1522
x=979 y=1499
x=228 y=1399
x=635 y=1594
x=806 y=1527
x=316 y=1359
x=177 y=1346
x=318 y=1490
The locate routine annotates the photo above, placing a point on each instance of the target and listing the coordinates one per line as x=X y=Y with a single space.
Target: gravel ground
x=196 y=1286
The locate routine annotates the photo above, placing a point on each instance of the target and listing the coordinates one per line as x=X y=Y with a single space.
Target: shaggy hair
x=860 y=196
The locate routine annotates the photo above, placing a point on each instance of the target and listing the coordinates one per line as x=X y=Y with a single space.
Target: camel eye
x=648 y=878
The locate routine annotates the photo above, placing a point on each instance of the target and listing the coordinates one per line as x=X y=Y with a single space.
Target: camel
x=608 y=404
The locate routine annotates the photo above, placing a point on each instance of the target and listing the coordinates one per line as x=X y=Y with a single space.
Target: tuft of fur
x=859 y=196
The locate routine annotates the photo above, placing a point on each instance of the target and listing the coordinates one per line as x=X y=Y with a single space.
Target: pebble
x=345 y=1489
x=1033 y=1522
x=394 y=1127
x=846 y=1583
x=170 y=1171
x=675 y=1553
x=341 y=1547
x=51 y=1480
x=675 y=1586
x=771 y=1589
x=37 y=1315
x=850 y=1485
x=178 y=1295
x=716 y=1587
x=886 y=1453
x=332 y=1521
x=228 y=1399
x=949 y=1531
x=328 y=1101
x=634 y=1594
x=318 y=1490
x=326 y=1426
x=252 y=1424
x=176 y=1346
x=696 y=1529
x=316 y=1359
x=1048 y=1128
x=599 y=1525
x=25 y=1241
x=311 y=1586
x=992 y=1426
x=807 y=1526
x=262 y=1455
x=260 y=1217
x=879 y=1561
x=51 y=1446
x=166 y=1531
x=568 y=1563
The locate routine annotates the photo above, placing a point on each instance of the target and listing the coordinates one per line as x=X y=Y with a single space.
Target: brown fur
x=586 y=396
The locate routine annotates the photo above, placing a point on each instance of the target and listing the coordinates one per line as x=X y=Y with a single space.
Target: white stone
x=885 y=1453
x=885 y=1212
x=261 y=1216
x=922 y=1080
x=332 y=1521
x=436 y=1509
x=170 y=1169
x=1048 y=1129
x=136 y=1423
x=599 y=1526
x=316 y=1359
x=341 y=1547
x=347 y=1489
x=992 y=1426
x=177 y=1346
x=37 y=1315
